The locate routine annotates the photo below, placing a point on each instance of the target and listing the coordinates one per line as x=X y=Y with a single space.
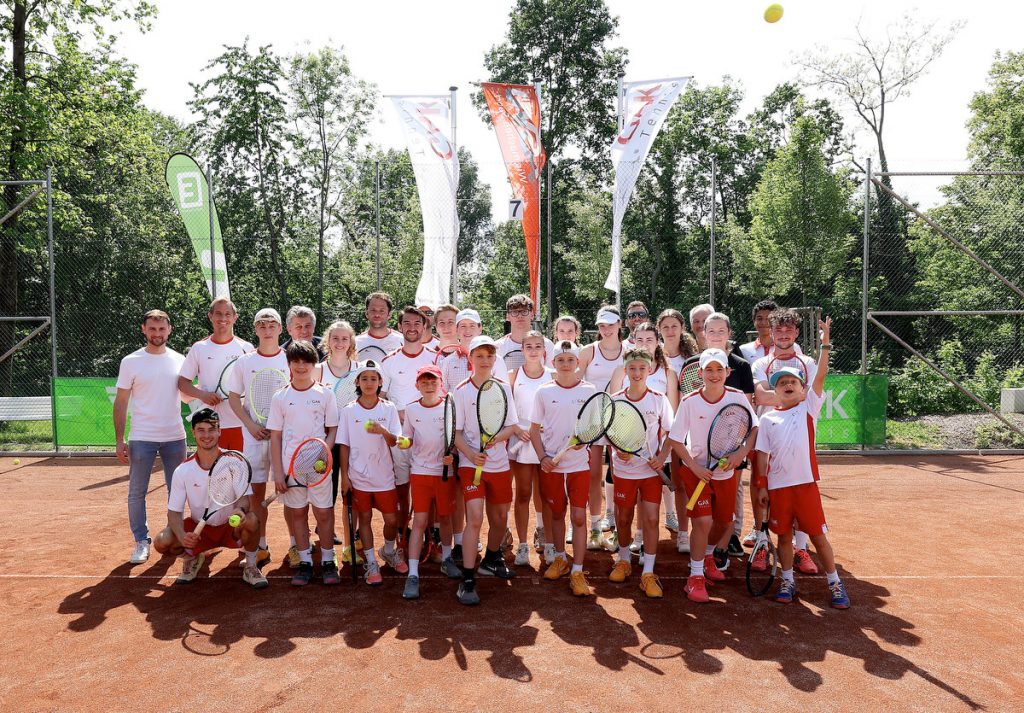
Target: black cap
x=205 y=415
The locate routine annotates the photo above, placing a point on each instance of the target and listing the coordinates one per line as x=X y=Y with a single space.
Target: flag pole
x=540 y=123
x=619 y=123
x=455 y=254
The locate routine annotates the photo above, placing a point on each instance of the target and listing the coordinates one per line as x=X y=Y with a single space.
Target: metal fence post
x=865 y=287
x=53 y=308
x=714 y=217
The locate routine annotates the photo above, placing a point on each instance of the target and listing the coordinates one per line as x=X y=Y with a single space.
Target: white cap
x=267 y=314
x=606 y=316
x=566 y=347
x=716 y=355
x=481 y=341
x=470 y=314
x=368 y=365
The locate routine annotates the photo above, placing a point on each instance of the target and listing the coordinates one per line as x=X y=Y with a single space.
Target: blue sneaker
x=839 y=598
x=785 y=592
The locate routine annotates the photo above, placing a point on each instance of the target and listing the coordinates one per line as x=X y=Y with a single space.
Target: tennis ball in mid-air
x=17 y=461
x=235 y=520
x=773 y=13
x=319 y=466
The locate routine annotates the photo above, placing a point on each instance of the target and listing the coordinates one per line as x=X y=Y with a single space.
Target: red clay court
x=926 y=546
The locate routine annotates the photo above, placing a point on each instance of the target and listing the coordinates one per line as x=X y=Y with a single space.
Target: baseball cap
x=566 y=347
x=606 y=316
x=428 y=370
x=716 y=355
x=368 y=365
x=267 y=314
x=481 y=341
x=470 y=314
x=205 y=415
x=785 y=371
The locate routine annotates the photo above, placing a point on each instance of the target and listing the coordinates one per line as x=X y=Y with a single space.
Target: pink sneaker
x=695 y=590
x=373 y=576
x=803 y=562
x=711 y=571
x=760 y=561
x=395 y=560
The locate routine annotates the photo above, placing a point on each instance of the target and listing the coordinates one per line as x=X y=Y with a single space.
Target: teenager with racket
x=785 y=352
x=301 y=411
x=255 y=435
x=787 y=478
x=711 y=420
x=641 y=419
x=598 y=362
x=425 y=428
x=485 y=418
x=378 y=334
x=215 y=483
x=519 y=311
x=369 y=429
x=567 y=416
x=206 y=360
x=525 y=382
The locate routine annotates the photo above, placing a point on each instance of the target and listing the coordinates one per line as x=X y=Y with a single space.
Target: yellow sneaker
x=621 y=571
x=262 y=557
x=651 y=585
x=559 y=568
x=578 y=585
x=347 y=557
x=293 y=557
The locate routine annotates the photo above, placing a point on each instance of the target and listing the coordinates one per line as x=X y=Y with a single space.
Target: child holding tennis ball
x=366 y=434
x=787 y=477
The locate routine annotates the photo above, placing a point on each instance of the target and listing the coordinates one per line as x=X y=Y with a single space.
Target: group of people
x=390 y=454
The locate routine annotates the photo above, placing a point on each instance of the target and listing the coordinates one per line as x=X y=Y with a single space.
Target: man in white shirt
x=149 y=378
x=378 y=334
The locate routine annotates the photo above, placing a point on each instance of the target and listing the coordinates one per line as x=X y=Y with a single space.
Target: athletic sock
x=292 y=540
x=446 y=551
x=577 y=568
x=787 y=574
x=414 y=568
x=800 y=540
x=709 y=550
x=250 y=558
x=389 y=547
x=625 y=555
x=561 y=554
x=263 y=543
x=458 y=538
x=648 y=563
x=832 y=577
x=371 y=558
x=326 y=555
x=594 y=522
x=306 y=555
x=696 y=568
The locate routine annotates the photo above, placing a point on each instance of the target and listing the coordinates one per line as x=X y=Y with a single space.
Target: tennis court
x=935 y=625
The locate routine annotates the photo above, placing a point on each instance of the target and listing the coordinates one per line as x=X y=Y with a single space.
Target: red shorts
x=386 y=501
x=495 y=488
x=427 y=489
x=213 y=536
x=717 y=500
x=678 y=469
x=627 y=489
x=231 y=438
x=797 y=502
x=561 y=489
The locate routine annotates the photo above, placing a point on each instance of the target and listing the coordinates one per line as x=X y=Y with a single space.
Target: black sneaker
x=457 y=554
x=303 y=575
x=467 y=593
x=495 y=568
x=721 y=559
x=735 y=546
x=337 y=541
x=435 y=536
x=329 y=573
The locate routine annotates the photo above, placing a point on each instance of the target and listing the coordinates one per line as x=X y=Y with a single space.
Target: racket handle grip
x=270 y=498
x=476 y=475
x=199 y=528
x=667 y=481
x=696 y=494
x=444 y=474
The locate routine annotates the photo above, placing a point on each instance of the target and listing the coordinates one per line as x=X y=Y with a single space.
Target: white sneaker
x=672 y=522
x=595 y=540
x=538 y=539
x=637 y=544
x=522 y=555
x=141 y=552
x=549 y=553
x=611 y=542
x=607 y=523
x=751 y=538
x=682 y=542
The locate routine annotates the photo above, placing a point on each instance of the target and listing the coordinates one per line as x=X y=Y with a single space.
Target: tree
x=997 y=116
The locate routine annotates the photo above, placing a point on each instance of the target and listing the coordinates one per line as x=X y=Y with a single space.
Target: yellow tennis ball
x=320 y=466
x=17 y=461
x=773 y=13
x=235 y=520
x=404 y=443
x=367 y=425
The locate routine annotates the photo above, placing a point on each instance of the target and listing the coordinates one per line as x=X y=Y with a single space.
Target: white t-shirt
x=693 y=422
x=188 y=484
x=207 y=359
x=657 y=380
x=155 y=402
x=399 y=371
x=555 y=409
x=433 y=344
x=759 y=368
x=394 y=340
x=301 y=414
x=247 y=366
x=425 y=426
x=524 y=389
x=600 y=369
x=370 y=465
x=787 y=436
x=506 y=344
x=657 y=413
x=676 y=362
x=465 y=420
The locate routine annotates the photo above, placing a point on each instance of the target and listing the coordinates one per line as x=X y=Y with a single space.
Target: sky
x=423 y=48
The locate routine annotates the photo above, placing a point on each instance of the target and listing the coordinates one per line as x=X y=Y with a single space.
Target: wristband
x=825 y=346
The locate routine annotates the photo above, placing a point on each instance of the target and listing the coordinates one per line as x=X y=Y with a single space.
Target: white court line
x=524 y=577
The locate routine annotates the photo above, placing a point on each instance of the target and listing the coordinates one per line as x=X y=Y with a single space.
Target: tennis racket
x=310 y=466
x=794 y=362
x=760 y=576
x=371 y=352
x=689 y=378
x=592 y=422
x=229 y=479
x=264 y=384
x=491 y=410
x=449 y=430
x=454 y=364
x=225 y=376
x=349 y=501
x=728 y=433
x=345 y=391
x=627 y=432
x=514 y=359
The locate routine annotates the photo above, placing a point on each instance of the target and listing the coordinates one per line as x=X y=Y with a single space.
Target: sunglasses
x=428 y=312
x=637 y=315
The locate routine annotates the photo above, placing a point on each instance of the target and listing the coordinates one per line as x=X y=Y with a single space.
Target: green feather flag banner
x=191 y=194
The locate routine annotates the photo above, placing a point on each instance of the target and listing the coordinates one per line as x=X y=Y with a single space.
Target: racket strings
x=229 y=479
x=595 y=419
x=689 y=378
x=491 y=408
x=627 y=431
x=262 y=389
x=345 y=391
x=449 y=421
x=514 y=359
x=728 y=431
x=304 y=463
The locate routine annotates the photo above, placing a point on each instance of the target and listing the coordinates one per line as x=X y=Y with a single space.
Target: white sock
x=263 y=543
x=577 y=568
x=414 y=568
x=250 y=559
x=696 y=568
x=648 y=563
x=292 y=540
x=371 y=558
x=668 y=498
x=638 y=537
x=625 y=555
x=446 y=551
x=832 y=577
x=326 y=555
x=800 y=540
x=389 y=547
x=609 y=494
x=709 y=550
x=787 y=574
x=437 y=526
x=561 y=554
x=594 y=520
x=458 y=538
x=306 y=555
